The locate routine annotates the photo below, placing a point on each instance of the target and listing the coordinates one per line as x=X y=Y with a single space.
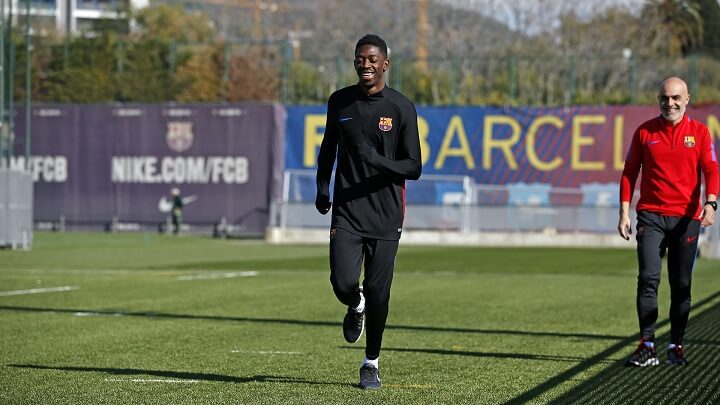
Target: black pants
x=655 y=235
x=176 y=220
x=347 y=252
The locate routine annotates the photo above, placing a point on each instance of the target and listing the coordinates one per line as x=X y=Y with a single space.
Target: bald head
x=675 y=83
x=673 y=98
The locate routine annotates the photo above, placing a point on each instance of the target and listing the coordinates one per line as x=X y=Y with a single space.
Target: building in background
x=75 y=16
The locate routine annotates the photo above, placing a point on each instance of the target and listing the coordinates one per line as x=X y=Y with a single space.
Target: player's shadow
x=497 y=355
x=302 y=322
x=693 y=384
x=178 y=375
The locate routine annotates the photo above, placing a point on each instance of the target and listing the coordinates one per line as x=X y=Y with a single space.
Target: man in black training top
x=176 y=212
x=372 y=129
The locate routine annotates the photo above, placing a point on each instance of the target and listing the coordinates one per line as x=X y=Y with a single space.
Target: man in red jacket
x=672 y=150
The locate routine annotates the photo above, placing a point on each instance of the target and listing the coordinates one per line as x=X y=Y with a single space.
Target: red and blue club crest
x=179 y=135
x=385 y=124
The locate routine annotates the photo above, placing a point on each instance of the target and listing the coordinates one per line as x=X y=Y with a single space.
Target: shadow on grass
x=178 y=375
x=519 y=356
x=693 y=384
x=415 y=328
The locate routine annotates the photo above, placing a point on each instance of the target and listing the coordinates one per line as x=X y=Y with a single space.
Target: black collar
x=375 y=96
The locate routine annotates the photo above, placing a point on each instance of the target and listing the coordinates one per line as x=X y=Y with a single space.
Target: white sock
x=375 y=363
x=361 y=306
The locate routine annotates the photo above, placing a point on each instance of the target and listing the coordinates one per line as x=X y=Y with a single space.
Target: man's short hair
x=373 y=40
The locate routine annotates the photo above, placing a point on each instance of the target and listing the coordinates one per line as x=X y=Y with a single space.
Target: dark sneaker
x=353 y=325
x=644 y=356
x=676 y=356
x=369 y=377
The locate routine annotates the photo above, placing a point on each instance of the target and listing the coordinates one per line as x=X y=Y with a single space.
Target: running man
x=672 y=150
x=372 y=130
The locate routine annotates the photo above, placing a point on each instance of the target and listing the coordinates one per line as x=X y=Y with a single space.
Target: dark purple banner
x=93 y=163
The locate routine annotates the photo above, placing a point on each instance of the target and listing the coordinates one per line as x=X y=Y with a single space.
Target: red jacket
x=671 y=158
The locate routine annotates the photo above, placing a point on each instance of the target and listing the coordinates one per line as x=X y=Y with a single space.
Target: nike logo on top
x=343 y=119
x=652 y=142
x=165 y=205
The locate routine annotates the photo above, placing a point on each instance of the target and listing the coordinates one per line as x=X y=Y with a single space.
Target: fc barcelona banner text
x=564 y=147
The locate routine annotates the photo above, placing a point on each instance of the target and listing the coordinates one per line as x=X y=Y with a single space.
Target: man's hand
x=707 y=216
x=322 y=204
x=624 y=226
x=366 y=153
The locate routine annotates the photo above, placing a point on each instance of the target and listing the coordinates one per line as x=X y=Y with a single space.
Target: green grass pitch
x=150 y=318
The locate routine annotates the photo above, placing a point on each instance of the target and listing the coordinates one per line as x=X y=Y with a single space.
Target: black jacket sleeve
x=408 y=161
x=326 y=157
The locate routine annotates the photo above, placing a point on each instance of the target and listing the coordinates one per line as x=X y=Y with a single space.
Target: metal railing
x=456 y=203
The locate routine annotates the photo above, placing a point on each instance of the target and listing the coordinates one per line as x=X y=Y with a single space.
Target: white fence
x=445 y=205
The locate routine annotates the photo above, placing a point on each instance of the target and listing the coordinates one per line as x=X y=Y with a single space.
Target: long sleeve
x=709 y=166
x=327 y=154
x=633 y=161
x=408 y=162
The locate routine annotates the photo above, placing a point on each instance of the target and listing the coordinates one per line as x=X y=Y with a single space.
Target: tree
x=166 y=23
x=81 y=70
x=710 y=12
x=200 y=78
x=676 y=26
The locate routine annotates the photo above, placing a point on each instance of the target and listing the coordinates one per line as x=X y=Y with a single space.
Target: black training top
x=378 y=147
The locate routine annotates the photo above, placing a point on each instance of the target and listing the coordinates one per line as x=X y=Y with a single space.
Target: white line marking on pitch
x=38 y=290
x=210 y=276
x=98 y=314
x=263 y=352
x=145 y=380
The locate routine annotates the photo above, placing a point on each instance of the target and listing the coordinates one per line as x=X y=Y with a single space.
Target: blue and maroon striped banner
x=560 y=147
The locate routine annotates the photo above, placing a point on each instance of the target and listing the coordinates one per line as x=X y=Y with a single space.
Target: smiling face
x=370 y=65
x=673 y=98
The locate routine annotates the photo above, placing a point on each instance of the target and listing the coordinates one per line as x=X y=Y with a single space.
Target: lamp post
x=28 y=79
x=10 y=69
x=628 y=57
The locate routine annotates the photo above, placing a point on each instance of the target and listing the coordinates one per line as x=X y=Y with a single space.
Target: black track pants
x=655 y=235
x=347 y=252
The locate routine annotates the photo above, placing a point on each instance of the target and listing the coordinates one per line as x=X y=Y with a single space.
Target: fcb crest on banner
x=689 y=141
x=385 y=124
x=179 y=135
